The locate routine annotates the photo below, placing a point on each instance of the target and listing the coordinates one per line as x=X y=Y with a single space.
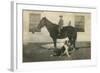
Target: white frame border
x=16 y=59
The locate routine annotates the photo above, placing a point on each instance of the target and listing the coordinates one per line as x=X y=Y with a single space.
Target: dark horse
x=52 y=28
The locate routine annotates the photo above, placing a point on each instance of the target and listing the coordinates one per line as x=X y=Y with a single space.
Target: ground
x=37 y=52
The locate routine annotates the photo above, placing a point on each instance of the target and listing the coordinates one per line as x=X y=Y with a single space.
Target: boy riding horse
x=61 y=23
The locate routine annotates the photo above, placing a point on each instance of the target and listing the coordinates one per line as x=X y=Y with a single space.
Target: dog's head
x=67 y=43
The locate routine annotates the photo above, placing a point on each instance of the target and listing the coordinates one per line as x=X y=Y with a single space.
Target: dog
x=64 y=50
x=67 y=47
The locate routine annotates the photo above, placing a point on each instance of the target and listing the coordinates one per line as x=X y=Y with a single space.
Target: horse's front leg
x=55 y=46
x=55 y=40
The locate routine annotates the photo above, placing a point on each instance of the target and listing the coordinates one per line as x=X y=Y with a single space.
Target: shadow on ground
x=35 y=52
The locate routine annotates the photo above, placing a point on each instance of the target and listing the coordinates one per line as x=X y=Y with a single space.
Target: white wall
x=85 y=36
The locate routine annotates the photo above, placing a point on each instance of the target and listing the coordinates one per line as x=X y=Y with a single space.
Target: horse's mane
x=50 y=22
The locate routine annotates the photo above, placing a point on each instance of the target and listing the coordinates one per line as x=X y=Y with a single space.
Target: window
x=34 y=20
x=79 y=23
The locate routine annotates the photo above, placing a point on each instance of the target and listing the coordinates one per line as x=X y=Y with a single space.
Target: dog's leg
x=66 y=51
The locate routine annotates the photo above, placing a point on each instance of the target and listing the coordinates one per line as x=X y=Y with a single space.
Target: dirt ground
x=37 y=52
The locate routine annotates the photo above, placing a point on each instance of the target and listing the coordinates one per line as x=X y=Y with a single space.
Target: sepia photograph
x=55 y=35
x=52 y=36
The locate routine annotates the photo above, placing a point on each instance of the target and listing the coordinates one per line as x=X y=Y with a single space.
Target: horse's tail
x=75 y=34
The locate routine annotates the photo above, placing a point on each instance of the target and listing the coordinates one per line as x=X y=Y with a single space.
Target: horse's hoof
x=69 y=56
x=77 y=48
x=70 y=53
x=49 y=49
x=51 y=55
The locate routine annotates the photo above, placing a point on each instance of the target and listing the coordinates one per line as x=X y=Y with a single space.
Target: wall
x=85 y=36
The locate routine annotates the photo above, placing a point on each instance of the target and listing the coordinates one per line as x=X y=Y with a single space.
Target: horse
x=67 y=31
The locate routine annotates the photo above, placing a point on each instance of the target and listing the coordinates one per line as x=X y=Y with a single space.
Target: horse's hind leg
x=72 y=41
x=74 y=46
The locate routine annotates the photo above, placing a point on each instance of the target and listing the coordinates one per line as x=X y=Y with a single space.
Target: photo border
x=16 y=53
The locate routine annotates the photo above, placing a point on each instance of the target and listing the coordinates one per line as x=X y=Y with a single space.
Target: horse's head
x=42 y=23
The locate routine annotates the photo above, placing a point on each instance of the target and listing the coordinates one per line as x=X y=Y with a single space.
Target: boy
x=60 y=24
